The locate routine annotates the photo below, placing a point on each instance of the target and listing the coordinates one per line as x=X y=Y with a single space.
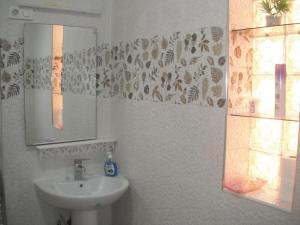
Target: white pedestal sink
x=82 y=197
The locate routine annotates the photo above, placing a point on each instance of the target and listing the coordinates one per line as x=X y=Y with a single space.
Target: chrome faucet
x=79 y=169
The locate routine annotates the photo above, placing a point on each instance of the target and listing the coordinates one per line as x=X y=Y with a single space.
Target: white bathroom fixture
x=82 y=197
x=60 y=7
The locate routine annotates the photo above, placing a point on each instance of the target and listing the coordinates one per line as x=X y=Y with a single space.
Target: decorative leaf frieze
x=179 y=68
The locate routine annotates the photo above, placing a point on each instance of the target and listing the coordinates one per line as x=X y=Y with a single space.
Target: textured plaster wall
x=21 y=164
x=2 y=200
x=173 y=154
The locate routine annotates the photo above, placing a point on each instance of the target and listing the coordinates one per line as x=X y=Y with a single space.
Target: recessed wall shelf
x=76 y=148
x=265 y=31
x=74 y=143
x=54 y=7
x=264 y=196
x=271 y=117
x=262 y=135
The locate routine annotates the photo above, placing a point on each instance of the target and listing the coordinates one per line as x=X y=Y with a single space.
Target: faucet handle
x=79 y=169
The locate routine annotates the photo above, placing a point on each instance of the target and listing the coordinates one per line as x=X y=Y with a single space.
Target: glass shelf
x=265 y=196
x=280 y=155
x=279 y=30
x=261 y=116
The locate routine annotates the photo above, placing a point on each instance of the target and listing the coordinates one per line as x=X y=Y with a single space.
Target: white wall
x=21 y=164
x=173 y=154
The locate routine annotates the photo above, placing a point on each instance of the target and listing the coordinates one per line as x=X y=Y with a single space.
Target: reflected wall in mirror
x=60 y=83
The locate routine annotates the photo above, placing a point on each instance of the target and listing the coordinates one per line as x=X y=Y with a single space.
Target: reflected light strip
x=57 y=67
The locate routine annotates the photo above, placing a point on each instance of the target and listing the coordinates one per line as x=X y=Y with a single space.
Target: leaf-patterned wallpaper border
x=240 y=71
x=180 y=68
x=78 y=74
x=11 y=58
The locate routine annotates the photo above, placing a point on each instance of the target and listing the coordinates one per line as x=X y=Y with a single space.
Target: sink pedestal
x=85 y=217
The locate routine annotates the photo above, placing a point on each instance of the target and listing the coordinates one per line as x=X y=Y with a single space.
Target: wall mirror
x=60 y=83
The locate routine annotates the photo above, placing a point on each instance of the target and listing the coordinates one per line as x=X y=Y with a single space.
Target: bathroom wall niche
x=60 y=83
x=262 y=142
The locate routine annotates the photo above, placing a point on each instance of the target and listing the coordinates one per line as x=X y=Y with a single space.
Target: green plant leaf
x=266 y=6
x=274 y=7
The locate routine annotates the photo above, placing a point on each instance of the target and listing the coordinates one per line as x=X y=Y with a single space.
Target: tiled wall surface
x=11 y=59
x=173 y=154
x=240 y=74
x=179 y=68
x=22 y=163
x=2 y=195
x=2 y=203
x=167 y=51
x=37 y=72
x=78 y=77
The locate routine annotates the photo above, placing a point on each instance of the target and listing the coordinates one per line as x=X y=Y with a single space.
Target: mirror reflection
x=60 y=83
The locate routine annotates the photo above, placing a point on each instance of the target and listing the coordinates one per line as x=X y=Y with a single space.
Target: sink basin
x=82 y=197
x=96 y=190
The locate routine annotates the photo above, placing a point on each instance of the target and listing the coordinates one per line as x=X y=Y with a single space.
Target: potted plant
x=274 y=10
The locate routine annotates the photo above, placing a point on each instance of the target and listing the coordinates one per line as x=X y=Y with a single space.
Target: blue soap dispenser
x=110 y=166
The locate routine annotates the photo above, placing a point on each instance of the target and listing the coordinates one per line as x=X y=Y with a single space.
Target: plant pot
x=273 y=20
